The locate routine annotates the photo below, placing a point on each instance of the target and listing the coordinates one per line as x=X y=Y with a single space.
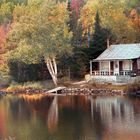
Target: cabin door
x=116 y=67
x=112 y=67
x=121 y=66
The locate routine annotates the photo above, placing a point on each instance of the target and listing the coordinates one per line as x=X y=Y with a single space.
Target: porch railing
x=107 y=73
x=126 y=72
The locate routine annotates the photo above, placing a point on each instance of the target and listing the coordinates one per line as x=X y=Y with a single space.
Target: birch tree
x=41 y=32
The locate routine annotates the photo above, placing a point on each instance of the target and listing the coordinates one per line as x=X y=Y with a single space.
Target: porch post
x=109 y=68
x=99 y=67
x=131 y=65
x=118 y=67
x=90 y=67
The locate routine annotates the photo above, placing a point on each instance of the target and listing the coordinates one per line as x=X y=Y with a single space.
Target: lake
x=41 y=117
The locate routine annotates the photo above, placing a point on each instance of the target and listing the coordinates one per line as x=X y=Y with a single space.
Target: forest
x=44 y=39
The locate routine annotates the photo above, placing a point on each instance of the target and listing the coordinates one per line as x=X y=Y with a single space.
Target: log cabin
x=118 y=63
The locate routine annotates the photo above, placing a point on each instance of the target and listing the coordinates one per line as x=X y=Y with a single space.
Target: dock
x=56 y=90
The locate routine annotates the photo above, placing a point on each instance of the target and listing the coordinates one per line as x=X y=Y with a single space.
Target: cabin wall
x=121 y=65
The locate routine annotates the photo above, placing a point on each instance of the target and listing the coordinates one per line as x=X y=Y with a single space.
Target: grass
x=41 y=85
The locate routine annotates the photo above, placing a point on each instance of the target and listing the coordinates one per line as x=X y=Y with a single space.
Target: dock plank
x=55 y=90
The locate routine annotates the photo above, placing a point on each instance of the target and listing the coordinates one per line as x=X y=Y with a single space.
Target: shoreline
x=82 y=88
x=68 y=91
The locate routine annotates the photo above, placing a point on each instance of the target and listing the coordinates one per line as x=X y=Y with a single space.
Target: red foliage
x=3 y=34
x=2 y=37
x=76 y=5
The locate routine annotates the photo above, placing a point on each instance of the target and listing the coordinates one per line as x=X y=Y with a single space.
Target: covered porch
x=111 y=67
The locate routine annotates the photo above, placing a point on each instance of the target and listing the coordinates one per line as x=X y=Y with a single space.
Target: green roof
x=120 y=52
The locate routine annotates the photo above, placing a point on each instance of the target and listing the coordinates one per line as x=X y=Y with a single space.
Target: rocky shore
x=90 y=91
x=26 y=91
x=69 y=91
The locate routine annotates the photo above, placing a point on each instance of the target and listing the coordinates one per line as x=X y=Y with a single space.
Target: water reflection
x=40 y=117
x=120 y=116
x=2 y=122
x=53 y=116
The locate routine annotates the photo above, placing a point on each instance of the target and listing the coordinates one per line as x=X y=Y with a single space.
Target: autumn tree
x=113 y=17
x=132 y=10
x=87 y=19
x=41 y=33
x=74 y=8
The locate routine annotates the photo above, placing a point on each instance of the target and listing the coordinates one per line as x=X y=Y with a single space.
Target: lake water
x=39 y=117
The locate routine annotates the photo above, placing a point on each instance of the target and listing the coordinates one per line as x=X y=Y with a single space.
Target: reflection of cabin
x=118 y=63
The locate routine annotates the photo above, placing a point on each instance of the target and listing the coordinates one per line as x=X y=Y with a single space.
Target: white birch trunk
x=52 y=67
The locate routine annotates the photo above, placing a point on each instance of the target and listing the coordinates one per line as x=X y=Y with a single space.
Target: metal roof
x=120 y=52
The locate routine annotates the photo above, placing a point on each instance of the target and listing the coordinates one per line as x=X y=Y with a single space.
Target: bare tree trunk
x=88 y=37
x=108 y=43
x=52 y=67
x=69 y=73
x=19 y=71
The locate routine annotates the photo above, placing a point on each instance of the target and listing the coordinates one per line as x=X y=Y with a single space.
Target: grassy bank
x=47 y=85
x=40 y=85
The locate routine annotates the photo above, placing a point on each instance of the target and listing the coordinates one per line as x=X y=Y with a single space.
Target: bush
x=5 y=78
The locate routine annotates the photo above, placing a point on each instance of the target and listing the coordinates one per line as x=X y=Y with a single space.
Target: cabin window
x=138 y=63
x=127 y=65
x=105 y=65
x=116 y=64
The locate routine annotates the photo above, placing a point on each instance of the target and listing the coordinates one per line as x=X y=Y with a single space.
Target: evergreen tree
x=99 y=35
x=74 y=8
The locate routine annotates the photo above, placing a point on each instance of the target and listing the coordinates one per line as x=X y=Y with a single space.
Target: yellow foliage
x=112 y=17
x=87 y=17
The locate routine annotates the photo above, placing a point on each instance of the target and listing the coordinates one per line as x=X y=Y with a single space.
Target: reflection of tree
x=75 y=121
x=2 y=123
x=38 y=104
x=19 y=109
x=29 y=107
x=53 y=116
x=27 y=117
x=114 y=114
x=110 y=108
x=136 y=104
x=74 y=102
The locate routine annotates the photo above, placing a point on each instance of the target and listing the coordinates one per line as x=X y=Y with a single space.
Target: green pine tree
x=99 y=35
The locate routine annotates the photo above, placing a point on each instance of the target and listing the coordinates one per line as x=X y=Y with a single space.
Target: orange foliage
x=2 y=37
x=135 y=19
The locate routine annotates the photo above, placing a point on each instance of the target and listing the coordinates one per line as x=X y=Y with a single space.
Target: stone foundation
x=112 y=79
